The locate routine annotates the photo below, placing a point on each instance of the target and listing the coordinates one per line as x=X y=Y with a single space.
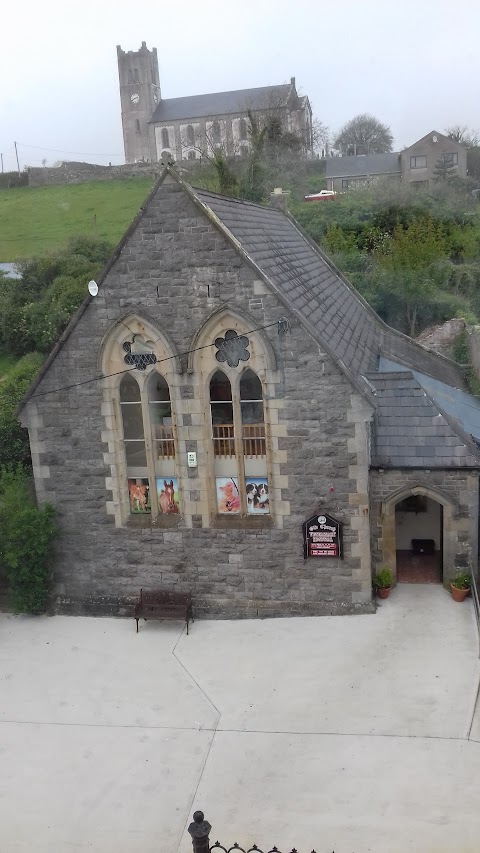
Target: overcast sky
x=414 y=64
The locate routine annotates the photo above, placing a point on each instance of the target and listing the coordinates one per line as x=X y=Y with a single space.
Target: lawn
x=33 y=221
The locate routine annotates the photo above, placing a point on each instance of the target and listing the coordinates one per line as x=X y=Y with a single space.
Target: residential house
x=415 y=165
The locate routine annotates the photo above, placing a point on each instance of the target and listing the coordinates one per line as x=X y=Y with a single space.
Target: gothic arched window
x=190 y=134
x=216 y=132
x=221 y=407
x=239 y=444
x=242 y=130
x=165 y=138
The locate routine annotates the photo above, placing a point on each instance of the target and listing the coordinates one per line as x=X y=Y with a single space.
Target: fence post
x=200 y=831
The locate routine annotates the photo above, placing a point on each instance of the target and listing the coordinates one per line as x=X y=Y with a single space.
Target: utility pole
x=18 y=164
x=1 y=155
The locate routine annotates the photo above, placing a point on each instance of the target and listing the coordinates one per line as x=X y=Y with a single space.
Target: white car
x=323 y=195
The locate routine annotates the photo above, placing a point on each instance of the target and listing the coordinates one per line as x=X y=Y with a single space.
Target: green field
x=34 y=221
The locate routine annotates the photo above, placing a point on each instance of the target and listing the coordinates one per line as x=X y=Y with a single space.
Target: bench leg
x=136 y=620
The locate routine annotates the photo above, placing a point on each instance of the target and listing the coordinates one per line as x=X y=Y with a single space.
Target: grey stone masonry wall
x=457 y=491
x=233 y=568
x=71 y=172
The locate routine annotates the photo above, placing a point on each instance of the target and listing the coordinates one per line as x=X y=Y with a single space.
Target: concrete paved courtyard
x=350 y=734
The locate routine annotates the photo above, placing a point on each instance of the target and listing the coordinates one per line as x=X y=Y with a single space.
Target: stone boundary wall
x=78 y=173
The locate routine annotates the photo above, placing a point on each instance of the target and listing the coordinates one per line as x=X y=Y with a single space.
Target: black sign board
x=322 y=537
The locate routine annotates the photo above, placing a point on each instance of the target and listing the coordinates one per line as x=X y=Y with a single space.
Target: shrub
x=383 y=578
x=14 y=447
x=27 y=533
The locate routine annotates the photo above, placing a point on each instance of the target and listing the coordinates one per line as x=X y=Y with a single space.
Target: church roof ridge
x=216 y=104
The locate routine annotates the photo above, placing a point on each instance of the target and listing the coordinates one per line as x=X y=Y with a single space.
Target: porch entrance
x=419 y=540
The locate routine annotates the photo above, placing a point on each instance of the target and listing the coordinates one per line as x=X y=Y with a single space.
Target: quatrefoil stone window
x=232 y=348
x=139 y=352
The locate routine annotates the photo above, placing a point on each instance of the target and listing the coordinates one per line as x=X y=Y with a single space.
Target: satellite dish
x=92 y=288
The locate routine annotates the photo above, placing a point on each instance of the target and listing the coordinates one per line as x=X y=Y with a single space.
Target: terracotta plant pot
x=384 y=593
x=458 y=594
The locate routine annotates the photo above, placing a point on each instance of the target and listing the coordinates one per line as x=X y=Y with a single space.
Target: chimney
x=292 y=81
x=279 y=199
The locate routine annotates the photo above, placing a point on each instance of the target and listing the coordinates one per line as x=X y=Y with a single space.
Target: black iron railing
x=476 y=607
x=200 y=829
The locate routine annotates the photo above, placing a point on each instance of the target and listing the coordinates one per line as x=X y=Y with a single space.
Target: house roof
x=218 y=103
x=412 y=431
x=429 y=138
x=458 y=406
x=363 y=164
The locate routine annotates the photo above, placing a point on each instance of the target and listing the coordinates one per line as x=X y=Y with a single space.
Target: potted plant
x=382 y=582
x=460 y=586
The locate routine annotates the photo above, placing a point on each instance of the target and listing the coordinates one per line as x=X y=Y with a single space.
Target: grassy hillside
x=33 y=221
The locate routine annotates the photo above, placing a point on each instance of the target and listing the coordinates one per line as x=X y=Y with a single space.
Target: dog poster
x=228 y=495
x=167 y=494
x=258 y=501
x=139 y=495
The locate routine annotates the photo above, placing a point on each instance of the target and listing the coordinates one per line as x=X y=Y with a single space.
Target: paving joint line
x=193 y=797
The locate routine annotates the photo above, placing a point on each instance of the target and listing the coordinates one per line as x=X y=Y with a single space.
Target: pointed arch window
x=165 y=137
x=149 y=444
x=190 y=133
x=160 y=409
x=242 y=130
x=239 y=444
x=132 y=419
x=251 y=408
x=221 y=407
x=216 y=133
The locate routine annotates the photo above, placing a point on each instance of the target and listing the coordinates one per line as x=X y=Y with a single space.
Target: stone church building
x=155 y=128
x=229 y=417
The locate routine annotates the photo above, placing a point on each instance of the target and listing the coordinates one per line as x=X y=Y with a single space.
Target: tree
x=461 y=133
x=320 y=137
x=34 y=314
x=364 y=134
x=444 y=169
x=407 y=267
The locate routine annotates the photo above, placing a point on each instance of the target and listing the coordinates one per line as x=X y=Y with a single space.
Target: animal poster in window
x=139 y=495
x=167 y=494
x=258 y=501
x=228 y=495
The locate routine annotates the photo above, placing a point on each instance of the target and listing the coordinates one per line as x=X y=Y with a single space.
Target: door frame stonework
x=387 y=543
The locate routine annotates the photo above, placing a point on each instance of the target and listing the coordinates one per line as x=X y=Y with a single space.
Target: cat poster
x=228 y=495
x=258 y=501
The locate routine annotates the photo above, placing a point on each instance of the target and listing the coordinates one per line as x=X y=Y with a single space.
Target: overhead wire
x=159 y=361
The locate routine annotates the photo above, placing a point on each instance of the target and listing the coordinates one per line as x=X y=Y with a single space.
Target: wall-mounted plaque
x=322 y=537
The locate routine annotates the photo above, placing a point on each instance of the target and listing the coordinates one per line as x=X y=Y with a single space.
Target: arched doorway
x=415 y=541
x=419 y=540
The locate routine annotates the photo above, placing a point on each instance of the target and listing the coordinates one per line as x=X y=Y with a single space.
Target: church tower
x=139 y=96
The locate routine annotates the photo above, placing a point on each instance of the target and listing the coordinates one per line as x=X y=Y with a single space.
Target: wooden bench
x=163 y=604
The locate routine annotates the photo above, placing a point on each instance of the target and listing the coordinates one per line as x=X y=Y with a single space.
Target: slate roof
x=304 y=277
x=361 y=165
x=218 y=103
x=459 y=406
x=411 y=431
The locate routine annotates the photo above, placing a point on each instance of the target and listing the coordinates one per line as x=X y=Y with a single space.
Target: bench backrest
x=154 y=598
